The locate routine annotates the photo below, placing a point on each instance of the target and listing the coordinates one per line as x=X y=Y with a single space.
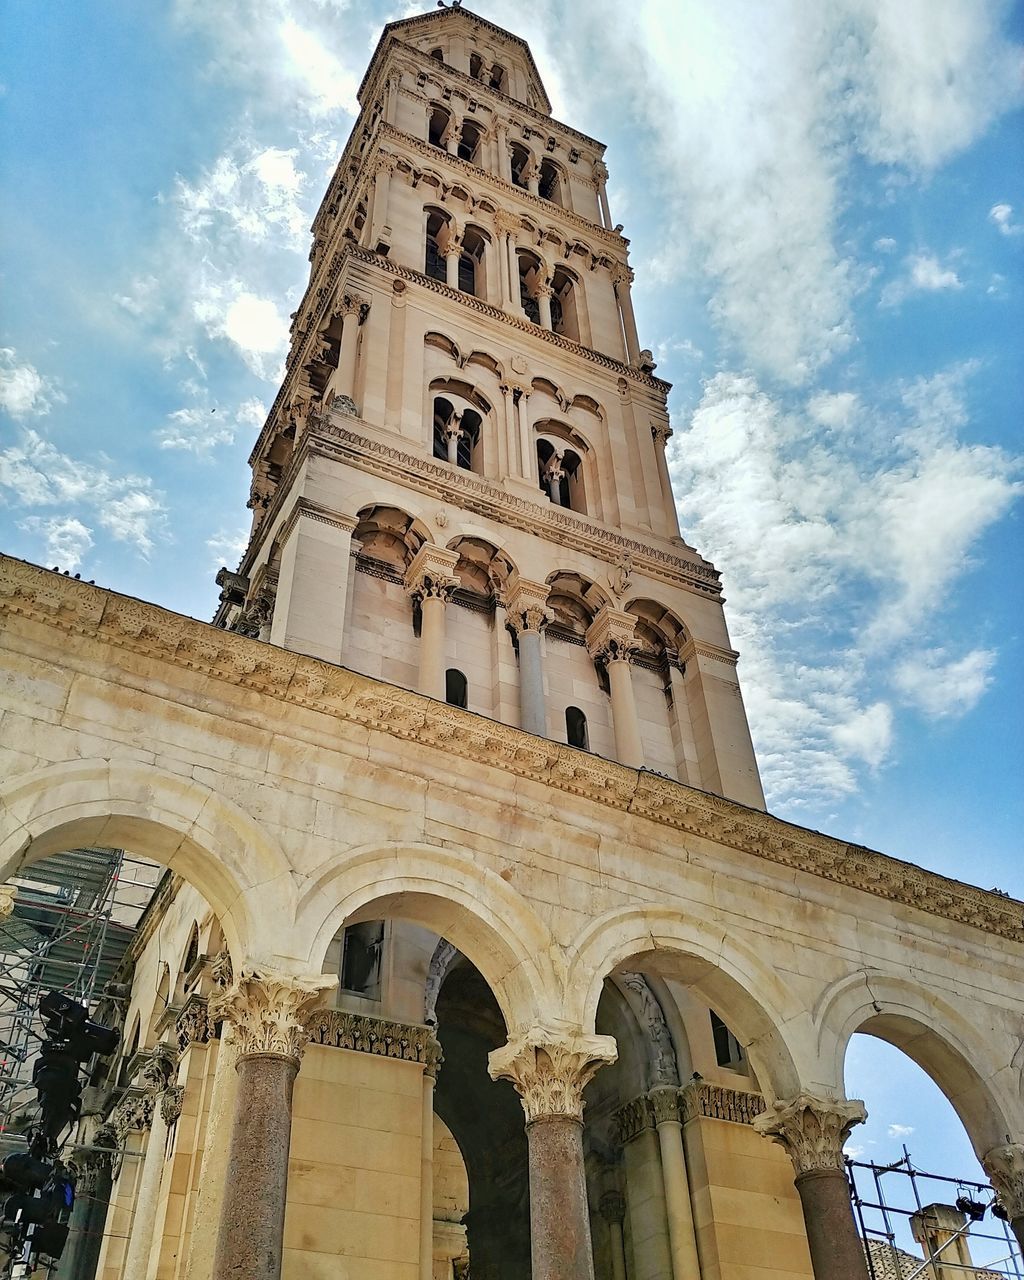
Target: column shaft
x=451 y=266
x=628 y=321
x=432 y=668
x=513 y=278
x=628 y=743
x=532 y=708
x=427 y=1181
x=250 y=1240
x=213 y=1169
x=606 y=213
x=136 y=1262
x=347 y=357
x=1017 y=1227
x=559 y=1218
x=544 y=305
x=837 y=1252
x=681 y=1233
x=617 y=1248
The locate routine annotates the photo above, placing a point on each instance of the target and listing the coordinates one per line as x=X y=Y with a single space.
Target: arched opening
x=476 y=66
x=565 y=317
x=560 y=475
x=388 y=536
x=470 y=137
x=531 y=277
x=438 y=126
x=457 y=434
x=499 y=78
x=519 y=159
x=576 y=734
x=438 y=229
x=437 y=54
x=550 y=187
x=663 y=688
x=472 y=262
x=456 y=688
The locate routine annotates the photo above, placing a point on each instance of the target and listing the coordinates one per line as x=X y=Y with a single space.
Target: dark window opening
x=728 y=1050
x=467 y=273
x=439 y=121
x=576 y=728
x=469 y=141
x=550 y=183
x=361 y=959
x=437 y=55
x=520 y=158
x=498 y=78
x=476 y=66
x=456 y=689
x=192 y=952
x=434 y=264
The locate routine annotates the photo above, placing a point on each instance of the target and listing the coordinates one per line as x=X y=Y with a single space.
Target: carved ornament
x=193 y=1023
x=812 y=1130
x=632 y=1119
x=268 y=1010
x=526 y=604
x=171 y=1102
x=611 y=637
x=1005 y=1169
x=718 y=1103
x=7 y=895
x=362 y=1034
x=550 y=1071
x=431 y=574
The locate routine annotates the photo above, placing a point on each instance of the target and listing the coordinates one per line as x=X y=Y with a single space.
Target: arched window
x=499 y=78
x=191 y=953
x=469 y=141
x=456 y=690
x=437 y=236
x=476 y=66
x=530 y=272
x=728 y=1050
x=564 y=312
x=520 y=160
x=456 y=435
x=437 y=55
x=560 y=474
x=576 y=728
x=437 y=130
x=471 y=263
x=550 y=187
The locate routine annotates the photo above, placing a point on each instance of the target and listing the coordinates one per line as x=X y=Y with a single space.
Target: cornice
x=75 y=608
x=405 y=1041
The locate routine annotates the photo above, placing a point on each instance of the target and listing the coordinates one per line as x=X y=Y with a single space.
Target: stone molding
x=550 y=1070
x=268 y=1010
x=476 y=494
x=304 y=509
x=715 y=1102
x=337 y=1029
x=694 y=648
x=812 y=1129
x=75 y=608
x=1005 y=1168
x=632 y=1119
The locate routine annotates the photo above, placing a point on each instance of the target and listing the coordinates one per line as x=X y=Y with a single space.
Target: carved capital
x=170 y=1103
x=611 y=637
x=159 y=1067
x=813 y=1130
x=600 y=172
x=661 y=432
x=348 y=304
x=268 y=1010
x=7 y=896
x=665 y=1104
x=526 y=604
x=622 y=276
x=550 y=1071
x=432 y=573
x=1005 y=1169
x=613 y=1206
x=221 y=970
x=506 y=223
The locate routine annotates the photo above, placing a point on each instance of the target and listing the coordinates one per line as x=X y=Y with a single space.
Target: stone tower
x=462 y=486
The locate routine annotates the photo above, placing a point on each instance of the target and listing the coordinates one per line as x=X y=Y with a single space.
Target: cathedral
x=476 y=953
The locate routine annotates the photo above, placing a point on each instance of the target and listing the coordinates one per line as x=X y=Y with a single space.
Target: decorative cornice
x=812 y=1130
x=718 y=1103
x=356 y=1031
x=632 y=1119
x=75 y=608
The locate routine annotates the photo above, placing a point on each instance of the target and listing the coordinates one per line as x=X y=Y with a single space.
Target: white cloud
x=24 y=392
x=942 y=686
x=836 y=409
x=885 y=244
x=900 y=1130
x=250 y=190
x=924 y=274
x=200 y=428
x=66 y=539
x=867 y=734
x=252 y=324
x=226 y=547
x=37 y=474
x=1002 y=217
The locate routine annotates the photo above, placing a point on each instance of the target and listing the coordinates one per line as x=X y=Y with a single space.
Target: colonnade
x=266 y=1013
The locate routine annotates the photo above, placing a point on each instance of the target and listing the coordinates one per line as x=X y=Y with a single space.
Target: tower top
x=432 y=32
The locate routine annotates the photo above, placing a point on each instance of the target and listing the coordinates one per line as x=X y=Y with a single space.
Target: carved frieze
x=193 y=1024
x=718 y=1103
x=404 y=1041
x=632 y=1118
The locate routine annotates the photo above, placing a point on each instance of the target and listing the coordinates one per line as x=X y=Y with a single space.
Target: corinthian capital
x=268 y=1010
x=1005 y=1169
x=811 y=1129
x=432 y=573
x=551 y=1070
x=526 y=604
x=611 y=637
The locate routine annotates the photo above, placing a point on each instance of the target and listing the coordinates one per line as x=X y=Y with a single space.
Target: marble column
x=613 y=1210
x=452 y=432
x=430 y=1071
x=1005 y=1168
x=611 y=639
x=501 y=143
x=550 y=1071
x=430 y=581
x=813 y=1131
x=451 y=264
x=600 y=178
x=682 y=1235
x=528 y=613
x=379 y=227
x=621 y=281
x=156 y=1075
x=662 y=432
x=267 y=1011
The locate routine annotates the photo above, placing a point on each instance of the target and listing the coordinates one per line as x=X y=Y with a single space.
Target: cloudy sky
x=826 y=208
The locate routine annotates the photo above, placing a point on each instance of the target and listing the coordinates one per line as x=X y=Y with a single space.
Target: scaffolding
x=886 y=1198
x=74 y=915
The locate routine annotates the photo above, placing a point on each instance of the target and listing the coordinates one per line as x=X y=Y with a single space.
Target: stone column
x=156 y=1074
x=379 y=227
x=528 y=613
x=452 y=433
x=92 y=1199
x=613 y=1210
x=611 y=639
x=451 y=263
x=430 y=581
x=621 y=281
x=352 y=310
x=430 y=1071
x=679 y=1211
x=600 y=178
x=1005 y=1169
x=213 y=1169
x=549 y=1072
x=501 y=142
x=662 y=432
x=515 y=302
x=532 y=176
x=543 y=294
x=813 y=1131
x=267 y=1011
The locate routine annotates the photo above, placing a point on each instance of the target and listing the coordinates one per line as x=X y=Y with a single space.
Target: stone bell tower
x=462 y=485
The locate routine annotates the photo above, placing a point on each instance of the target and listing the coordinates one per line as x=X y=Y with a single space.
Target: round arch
x=173 y=820
x=447 y=891
x=729 y=976
x=954 y=1052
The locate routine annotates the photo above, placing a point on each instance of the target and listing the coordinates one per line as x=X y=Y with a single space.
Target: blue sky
x=826 y=208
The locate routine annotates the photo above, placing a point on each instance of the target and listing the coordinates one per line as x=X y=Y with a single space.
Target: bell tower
x=462 y=487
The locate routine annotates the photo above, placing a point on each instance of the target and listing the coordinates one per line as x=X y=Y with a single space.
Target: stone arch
x=483 y=568
x=389 y=534
x=173 y=820
x=953 y=1051
x=725 y=973
x=448 y=892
